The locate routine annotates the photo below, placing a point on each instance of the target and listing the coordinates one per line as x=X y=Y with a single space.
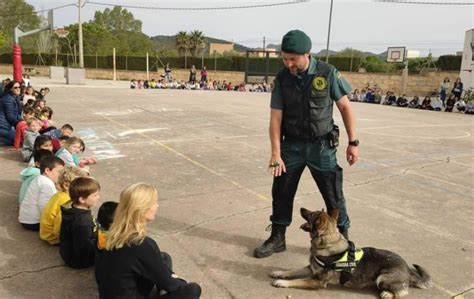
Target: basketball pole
x=79 y=22
x=404 y=82
x=329 y=32
x=115 y=66
x=17 y=33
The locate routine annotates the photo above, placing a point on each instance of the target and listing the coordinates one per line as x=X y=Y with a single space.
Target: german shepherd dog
x=381 y=268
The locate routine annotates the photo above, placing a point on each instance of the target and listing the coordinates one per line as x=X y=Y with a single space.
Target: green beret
x=296 y=41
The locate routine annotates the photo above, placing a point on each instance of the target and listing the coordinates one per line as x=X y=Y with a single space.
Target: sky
x=361 y=24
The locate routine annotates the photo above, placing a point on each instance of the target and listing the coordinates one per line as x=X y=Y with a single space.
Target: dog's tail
x=420 y=278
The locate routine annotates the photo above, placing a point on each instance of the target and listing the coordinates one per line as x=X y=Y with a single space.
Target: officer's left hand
x=352 y=153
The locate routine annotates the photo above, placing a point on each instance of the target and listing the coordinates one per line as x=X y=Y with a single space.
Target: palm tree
x=196 y=41
x=182 y=42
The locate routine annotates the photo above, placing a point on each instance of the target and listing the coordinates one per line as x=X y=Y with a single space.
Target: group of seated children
x=430 y=102
x=202 y=85
x=55 y=200
x=127 y=262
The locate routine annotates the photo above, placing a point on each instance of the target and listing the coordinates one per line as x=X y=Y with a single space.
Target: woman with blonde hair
x=132 y=263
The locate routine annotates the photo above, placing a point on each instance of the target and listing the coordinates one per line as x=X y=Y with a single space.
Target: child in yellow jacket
x=105 y=217
x=50 y=222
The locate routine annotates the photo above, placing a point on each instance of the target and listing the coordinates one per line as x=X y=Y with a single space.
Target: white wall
x=467 y=65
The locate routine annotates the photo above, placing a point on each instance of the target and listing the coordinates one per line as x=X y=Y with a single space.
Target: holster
x=334 y=137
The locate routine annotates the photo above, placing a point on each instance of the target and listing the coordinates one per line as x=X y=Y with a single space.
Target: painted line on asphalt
x=466 y=135
x=411 y=221
x=422 y=225
x=413 y=126
x=161 y=144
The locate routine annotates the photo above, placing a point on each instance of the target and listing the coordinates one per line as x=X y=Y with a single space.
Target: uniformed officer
x=303 y=133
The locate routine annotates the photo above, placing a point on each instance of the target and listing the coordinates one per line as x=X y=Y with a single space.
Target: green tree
x=349 y=52
x=374 y=64
x=2 y=39
x=182 y=42
x=137 y=43
x=96 y=39
x=118 y=19
x=17 y=13
x=196 y=42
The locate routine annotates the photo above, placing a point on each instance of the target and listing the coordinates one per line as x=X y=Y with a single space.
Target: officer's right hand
x=276 y=166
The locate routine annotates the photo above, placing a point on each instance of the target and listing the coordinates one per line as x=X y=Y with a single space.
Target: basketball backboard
x=396 y=54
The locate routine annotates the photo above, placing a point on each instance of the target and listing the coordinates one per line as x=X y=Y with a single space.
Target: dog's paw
x=386 y=295
x=280 y=283
x=277 y=274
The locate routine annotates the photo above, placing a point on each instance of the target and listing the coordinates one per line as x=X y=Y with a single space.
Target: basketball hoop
x=61 y=32
x=396 y=54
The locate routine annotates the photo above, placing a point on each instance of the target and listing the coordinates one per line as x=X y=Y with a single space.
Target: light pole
x=81 y=49
x=329 y=32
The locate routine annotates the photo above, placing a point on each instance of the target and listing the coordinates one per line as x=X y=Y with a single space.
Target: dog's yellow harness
x=345 y=264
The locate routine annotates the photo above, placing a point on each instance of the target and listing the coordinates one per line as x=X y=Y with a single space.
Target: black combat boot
x=276 y=242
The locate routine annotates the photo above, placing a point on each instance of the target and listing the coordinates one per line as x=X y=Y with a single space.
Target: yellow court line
x=259 y=195
x=447 y=292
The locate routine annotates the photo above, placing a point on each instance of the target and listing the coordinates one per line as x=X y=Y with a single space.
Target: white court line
x=411 y=221
x=466 y=134
x=439 y=180
x=416 y=126
x=137 y=131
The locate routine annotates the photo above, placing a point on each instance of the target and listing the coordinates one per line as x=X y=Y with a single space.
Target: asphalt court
x=206 y=152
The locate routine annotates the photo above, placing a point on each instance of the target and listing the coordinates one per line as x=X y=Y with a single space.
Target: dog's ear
x=305 y=227
x=334 y=214
x=305 y=213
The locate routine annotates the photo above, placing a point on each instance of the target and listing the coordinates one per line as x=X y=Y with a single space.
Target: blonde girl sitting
x=132 y=263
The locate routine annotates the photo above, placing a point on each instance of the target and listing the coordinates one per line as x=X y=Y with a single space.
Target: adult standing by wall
x=443 y=93
x=204 y=74
x=302 y=133
x=192 y=75
x=457 y=88
x=10 y=112
x=132 y=263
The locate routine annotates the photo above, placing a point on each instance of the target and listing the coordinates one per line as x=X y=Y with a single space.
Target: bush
x=373 y=64
x=449 y=62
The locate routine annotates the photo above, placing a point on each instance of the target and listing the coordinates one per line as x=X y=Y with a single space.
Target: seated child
x=59 y=143
x=460 y=105
x=78 y=235
x=414 y=103
x=105 y=217
x=45 y=116
x=39 y=192
x=65 y=131
x=34 y=126
x=450 y=103
x=41 y=142
x=71 y=146
x=29 y=173
x=470 y=107
x=83 y=162
x=50 y=221
x=28 y=112
x=30 y=103
x=39 y=104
